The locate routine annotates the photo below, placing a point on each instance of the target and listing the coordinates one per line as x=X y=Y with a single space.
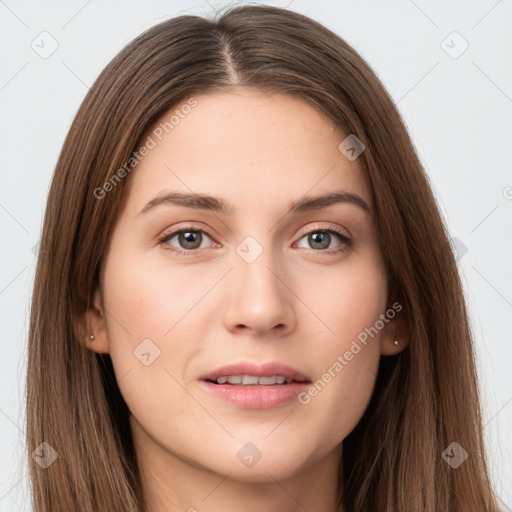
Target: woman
x=251 y=302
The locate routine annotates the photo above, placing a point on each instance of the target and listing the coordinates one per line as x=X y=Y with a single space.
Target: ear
x=396 y=329
x=96 y=325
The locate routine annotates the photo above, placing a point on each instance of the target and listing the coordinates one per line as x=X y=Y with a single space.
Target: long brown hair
x=425 y=398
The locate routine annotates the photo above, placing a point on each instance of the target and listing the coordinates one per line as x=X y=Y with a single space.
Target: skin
x=294 y=304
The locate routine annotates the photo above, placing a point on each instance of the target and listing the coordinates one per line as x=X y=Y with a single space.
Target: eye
x=188 y=238
x=320 y=239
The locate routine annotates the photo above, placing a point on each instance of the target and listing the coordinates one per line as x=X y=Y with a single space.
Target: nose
x=259 y=297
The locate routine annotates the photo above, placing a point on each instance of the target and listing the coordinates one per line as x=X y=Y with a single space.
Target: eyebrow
x=214 y=204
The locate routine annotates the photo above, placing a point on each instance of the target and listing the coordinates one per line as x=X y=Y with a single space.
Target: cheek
x=149 y=295
x=351 y=306
x=349 y=300
x=148 y=347
x=144 y=306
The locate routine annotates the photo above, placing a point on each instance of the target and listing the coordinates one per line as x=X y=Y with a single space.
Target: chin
x=264 y=471
x=262 y=460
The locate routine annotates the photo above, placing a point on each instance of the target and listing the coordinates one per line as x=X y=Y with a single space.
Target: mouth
x=249 y=386
x=254 y=380
x=252 y=374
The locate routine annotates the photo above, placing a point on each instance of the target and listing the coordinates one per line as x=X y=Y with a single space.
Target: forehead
x=245 y=145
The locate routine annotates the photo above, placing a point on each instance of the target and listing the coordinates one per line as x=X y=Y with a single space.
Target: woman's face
x=261 y=283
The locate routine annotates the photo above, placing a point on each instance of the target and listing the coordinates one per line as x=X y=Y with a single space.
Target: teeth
x=251 y=380
x=268 y=380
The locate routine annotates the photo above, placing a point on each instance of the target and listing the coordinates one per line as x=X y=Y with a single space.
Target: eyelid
x=326 y=226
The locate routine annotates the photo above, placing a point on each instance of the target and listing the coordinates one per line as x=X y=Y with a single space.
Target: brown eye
x=321 y=239
x=187 y=240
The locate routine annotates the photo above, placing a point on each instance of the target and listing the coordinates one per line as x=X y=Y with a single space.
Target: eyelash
x=347 y=242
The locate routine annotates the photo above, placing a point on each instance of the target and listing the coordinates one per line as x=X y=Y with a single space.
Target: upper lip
x=263 y=370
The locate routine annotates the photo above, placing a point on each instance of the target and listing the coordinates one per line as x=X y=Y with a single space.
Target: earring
x=396 y=342
x=91 y=337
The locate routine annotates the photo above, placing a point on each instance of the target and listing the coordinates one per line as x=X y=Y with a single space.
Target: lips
x=252 y=374
x=251 y=386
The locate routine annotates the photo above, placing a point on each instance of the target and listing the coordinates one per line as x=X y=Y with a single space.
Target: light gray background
x=458 y=110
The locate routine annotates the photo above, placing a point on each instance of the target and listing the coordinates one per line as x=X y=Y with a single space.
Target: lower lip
x=256 y=397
